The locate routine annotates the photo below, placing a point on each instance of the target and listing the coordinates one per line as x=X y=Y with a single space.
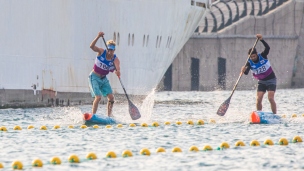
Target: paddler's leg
x=95 y=104
x=259 y=99
x=94 y=84
x=260 y=93
x=271 y=90
x=272 y=102
x=107 y=91
x=110 y=104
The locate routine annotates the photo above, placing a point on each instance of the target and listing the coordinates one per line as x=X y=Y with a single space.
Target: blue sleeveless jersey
x=261 y=69
x=103 y=66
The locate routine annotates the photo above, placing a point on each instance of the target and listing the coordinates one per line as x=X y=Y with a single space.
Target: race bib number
x=262 y=68
x=103 y=66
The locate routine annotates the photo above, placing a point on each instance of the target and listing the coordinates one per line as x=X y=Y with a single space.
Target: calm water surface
x=27 y=145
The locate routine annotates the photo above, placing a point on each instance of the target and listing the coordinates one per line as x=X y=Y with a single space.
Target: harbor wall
x=226 y=52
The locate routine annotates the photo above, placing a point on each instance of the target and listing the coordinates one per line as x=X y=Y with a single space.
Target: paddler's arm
x=117 y=66
x=93 y=44
x=267 y=47
x=245 y=69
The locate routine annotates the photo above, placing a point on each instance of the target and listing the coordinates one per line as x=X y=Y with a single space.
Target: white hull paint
x=46 y=43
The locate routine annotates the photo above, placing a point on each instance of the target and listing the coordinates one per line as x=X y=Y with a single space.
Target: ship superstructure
x=44 y=45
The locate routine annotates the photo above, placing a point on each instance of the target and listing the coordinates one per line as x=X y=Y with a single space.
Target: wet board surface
x=97 y=119
x=260 y=117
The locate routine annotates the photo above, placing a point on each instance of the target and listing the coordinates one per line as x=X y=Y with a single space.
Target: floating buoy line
x=18 y=165
x=73 y=158
x=154 y=124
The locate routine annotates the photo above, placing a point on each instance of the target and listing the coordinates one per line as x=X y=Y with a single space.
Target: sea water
x=26 y=145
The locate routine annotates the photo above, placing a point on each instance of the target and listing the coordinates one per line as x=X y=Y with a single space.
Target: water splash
x=62 y=116
x=121 y=111
x=146 y=108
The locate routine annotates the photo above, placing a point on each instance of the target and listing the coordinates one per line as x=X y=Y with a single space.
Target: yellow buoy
x=73 y=159
x=239 y=143
x=297 y=139
x=167 y=123
x=56 y=127
x=43 y=127
x=3 y=128
x=160 y=150
x=145 y=152
x=284 y=116
x=303 y=115
x=190 y=122
x=70 y=126
x=55 y=160
x=119 y=126
x=144 y=125
x=155 y=124
x=283 y=141
x=268 y=142
x=111 y=154
x=212 y=121
x=193 y=148
x=30 y=127
x=83 y=126
x=37 y=163
x=294 y=115
x=127 y=153
x=176 y=150
x=96 y=126
x=17 y=165
x=254 y=143
x=91 y=156
x=17 y=127
x=178 y=123
x=132 y=125
x=200 y=122
x=108 y=126
x=207 y=148
x=1 y=166
x=224 y=145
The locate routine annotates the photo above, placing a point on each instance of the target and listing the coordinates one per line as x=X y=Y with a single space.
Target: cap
x=111 y=47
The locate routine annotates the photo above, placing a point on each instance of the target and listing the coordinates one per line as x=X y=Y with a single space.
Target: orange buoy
x=255 y=118
x=260 y=117
x=87 y=116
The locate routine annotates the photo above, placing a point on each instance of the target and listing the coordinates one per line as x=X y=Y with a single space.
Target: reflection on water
x=26 y=145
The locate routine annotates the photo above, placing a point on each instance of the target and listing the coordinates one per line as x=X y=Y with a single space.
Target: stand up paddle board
x=260 y=117
x=97 y=119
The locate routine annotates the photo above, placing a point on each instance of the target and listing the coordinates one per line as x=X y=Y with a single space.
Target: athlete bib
x=103 y=66
x=261 y=69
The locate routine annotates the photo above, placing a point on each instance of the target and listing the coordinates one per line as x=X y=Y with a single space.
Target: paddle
x=134 y=112
x=224 y=106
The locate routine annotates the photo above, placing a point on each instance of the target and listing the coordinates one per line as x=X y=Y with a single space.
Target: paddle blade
x=134 y=112
x=223 y=108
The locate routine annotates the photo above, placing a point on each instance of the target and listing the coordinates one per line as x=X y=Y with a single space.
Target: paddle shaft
x=123 y=87
x=244 y=65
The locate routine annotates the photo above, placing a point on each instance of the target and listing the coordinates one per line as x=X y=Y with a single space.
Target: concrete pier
x=218 y=57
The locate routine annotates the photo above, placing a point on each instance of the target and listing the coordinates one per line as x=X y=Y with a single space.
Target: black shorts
x=263 y=87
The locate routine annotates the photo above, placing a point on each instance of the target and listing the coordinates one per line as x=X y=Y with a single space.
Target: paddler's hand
x=259 y=36
x=100 y=34
x=117 y=73
x=243 y=69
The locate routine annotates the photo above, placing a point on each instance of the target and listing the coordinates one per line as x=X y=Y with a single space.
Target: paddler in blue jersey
x=261 y=69
x=105 y=62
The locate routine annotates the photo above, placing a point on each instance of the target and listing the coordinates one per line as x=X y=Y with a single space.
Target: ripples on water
x=26 y=145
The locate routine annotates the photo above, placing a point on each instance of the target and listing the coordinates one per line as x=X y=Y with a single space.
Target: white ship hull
x=46 y=43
